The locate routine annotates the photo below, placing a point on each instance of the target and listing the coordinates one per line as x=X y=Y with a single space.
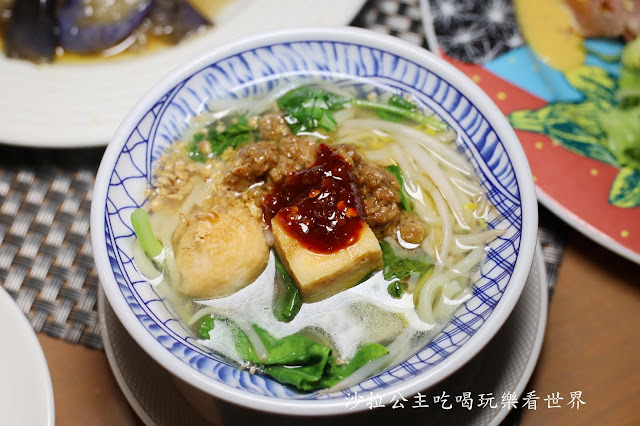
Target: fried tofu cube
x=319 y=275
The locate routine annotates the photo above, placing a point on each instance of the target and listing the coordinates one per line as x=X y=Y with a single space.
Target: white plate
x=26 y=394
x=73 y=105
x=506 y=364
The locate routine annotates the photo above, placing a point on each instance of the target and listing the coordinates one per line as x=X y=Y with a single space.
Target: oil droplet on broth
x=550 y=30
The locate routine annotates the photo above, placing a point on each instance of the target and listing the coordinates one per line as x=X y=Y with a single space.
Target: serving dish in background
x=584 y=192
x=68 y=105
x=574 y=187
x=26 y=393
x=160 y=119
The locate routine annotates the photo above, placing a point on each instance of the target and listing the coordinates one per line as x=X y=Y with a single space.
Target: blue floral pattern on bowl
x=254 y=72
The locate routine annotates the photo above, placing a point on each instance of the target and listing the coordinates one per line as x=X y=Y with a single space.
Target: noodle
x=221 y=340
x=170 y=260
x=255 y=340
x=443 y=212
x=440 y=180
x=447 y=156
x=474 y=240
x=437 y=281
x=401 y=157
x=396 y=349
x=145 y=265
x=467 y=186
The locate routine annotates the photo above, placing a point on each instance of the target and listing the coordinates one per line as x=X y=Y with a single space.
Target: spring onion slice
x=142 y=228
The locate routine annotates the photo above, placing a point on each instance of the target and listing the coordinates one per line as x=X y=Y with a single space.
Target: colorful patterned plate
x=555 y=116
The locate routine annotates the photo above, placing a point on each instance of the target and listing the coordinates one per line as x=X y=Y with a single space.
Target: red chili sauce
x=321 y=207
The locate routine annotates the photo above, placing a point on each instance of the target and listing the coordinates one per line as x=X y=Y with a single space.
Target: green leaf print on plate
x=577 y=127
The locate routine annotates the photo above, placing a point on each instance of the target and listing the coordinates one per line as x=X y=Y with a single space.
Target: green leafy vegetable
x=334 y=373
x=398 y=102
x=628 y=87
x=405 y=198
x=304 y=377
x=631 y=54
x=622 y=124
x=293 y=349
x=623 y=135
x=324 y=372
x=629 y=82
x=142 y=228
x=287 y=302
x=236 y=134
x=399 y=265
x=206 y=325
x=306 y=109
x=296 y=359
x=397 y=109
x=395 y=289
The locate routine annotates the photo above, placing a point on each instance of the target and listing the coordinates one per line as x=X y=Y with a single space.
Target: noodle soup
x=317 y=235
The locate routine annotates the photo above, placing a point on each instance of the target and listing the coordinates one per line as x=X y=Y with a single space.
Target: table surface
x=591 y=345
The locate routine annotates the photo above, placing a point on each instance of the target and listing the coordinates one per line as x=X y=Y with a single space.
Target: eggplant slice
x=84 y=33
x=89 y=26
x=178 y=18
x=30 y=33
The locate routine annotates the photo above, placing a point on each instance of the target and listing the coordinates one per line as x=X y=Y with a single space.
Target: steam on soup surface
x=315 y=236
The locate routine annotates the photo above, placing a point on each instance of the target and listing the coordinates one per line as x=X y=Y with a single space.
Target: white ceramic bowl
x=248 y=67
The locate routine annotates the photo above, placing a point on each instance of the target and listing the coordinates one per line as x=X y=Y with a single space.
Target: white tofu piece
x=319 y=275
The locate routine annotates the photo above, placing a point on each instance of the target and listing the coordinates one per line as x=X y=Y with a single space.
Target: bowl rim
x=308 y=407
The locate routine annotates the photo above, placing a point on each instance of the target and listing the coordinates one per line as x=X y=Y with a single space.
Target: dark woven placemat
x=46 y=262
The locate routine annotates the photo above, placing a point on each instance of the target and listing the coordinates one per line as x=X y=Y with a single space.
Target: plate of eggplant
x=72 y=69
